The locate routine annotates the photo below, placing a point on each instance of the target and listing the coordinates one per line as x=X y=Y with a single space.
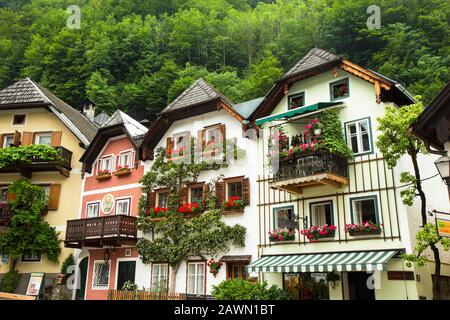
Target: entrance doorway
x=126 y=271
x=79 y=295
x=358 y=288
x=306 y=286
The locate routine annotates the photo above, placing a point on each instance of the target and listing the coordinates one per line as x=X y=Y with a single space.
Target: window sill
x=232 y=212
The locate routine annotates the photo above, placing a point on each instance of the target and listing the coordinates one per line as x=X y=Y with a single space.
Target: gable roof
x=119 y=123
x=198 y=92
x=314 y=58
x=28 y=94
x=101 y=118
x=199 y=98
x=317 y=61
x=433 y=125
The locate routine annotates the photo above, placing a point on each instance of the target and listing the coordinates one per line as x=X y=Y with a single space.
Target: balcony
x=312 y=169
x=62 y=165
x=103 y=231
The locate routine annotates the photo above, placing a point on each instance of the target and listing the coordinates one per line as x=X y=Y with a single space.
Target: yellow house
x=30 y=114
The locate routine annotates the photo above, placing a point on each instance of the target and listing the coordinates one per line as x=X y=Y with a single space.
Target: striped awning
x=324 y=262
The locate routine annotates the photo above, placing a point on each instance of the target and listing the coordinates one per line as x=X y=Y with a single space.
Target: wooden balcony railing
x=312 y=169
x=63 y=164
x=102 y=231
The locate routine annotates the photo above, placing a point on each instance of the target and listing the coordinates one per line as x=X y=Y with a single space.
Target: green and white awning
x=297 y=112
x=324 y=262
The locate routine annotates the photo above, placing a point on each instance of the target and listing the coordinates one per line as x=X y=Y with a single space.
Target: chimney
x=89 y=109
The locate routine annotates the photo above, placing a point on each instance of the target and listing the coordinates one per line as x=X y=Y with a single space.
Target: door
x=358 y=288
x=126 y=272
x=83 y=275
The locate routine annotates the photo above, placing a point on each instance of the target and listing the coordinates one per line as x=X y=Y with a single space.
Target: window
x=43 y=138
x=196 y=194
x=125 y=159
x=101 y=275
x=163 y=199
x=182 y=144
x=32 y=257
x=296 y=100
x=19 y=119
x=123 y=206
x=364 y=209
x=8 y=139
x=3 y=194
x=321 y=213
x=285 y=218
x=159 y=277
x=234 y=189
x=196 y=278
x=106 y=163
x=339 y=89
x=358 y=136
x=92 y=209
x=213 y=142
x=237 y=271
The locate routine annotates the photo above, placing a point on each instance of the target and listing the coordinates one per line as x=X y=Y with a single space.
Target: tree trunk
x=12 y=265
x=423 y=207
x=437 y=273
x=423 y=211
x=173 y=276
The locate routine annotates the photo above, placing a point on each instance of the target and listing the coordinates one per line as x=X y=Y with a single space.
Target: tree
x=175 y=238
x=394 y=142
x=29 y=233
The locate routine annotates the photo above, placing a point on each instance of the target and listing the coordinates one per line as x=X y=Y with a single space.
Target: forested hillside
x=138 y=55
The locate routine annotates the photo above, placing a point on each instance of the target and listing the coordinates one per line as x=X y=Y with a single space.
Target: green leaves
x=26 y=154
x=332 y=136
x=238 y=289
x=29 y=233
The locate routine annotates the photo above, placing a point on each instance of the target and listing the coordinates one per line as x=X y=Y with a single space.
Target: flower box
x=122 y=172
x=365 y=229
x=103 y=176
x=233 y=204
x=232 y=212
x=156 y=219
x=281 y=235
x=315 y=233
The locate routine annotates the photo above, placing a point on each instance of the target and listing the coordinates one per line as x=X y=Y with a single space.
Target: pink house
x=106 y=232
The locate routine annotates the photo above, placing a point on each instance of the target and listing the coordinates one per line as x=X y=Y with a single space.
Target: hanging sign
x=443 y=227
x=35 y=284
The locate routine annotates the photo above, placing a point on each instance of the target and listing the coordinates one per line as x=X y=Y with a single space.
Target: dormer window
x=106 y=163
x=125 y=159
x=296 y=100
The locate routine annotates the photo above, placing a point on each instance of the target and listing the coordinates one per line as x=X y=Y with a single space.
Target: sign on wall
x=107 y=203
x=35 y=283
x=443 y=227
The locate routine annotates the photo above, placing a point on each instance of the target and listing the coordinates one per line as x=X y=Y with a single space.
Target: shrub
x=129 y=286
x=10 y=281
x=70 y=261
x=244 y=290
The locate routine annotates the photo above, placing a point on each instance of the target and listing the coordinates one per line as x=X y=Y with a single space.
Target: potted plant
x=282 y=235
x=234 y=204
x=189 y=209
x=103 y=174
x=129 y=286
x=214 y=266
x=122 y=171
x=367 y=228
x=156 y=214
x=315 y=232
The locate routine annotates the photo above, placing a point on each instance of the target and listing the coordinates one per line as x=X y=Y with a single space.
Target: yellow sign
x=443 y=227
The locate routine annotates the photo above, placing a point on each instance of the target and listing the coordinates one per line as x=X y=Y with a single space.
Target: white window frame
x=121 y=157
x=358 y=135
x=159 y=275
x=196 y=275
x=31 y=260
x=42 y=134
x=121 y=200
x=5 y=138
x=117 y=269
x=312 y=217
x=356 y=216
x=111 y=164
x=95 y=287
x=275 y=216
x=92 y=203
x=158 y=193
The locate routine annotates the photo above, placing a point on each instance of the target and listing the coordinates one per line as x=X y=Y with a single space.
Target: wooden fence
x=144 y=295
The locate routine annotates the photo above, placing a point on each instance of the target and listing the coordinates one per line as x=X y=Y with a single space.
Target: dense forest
x=138 y=55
